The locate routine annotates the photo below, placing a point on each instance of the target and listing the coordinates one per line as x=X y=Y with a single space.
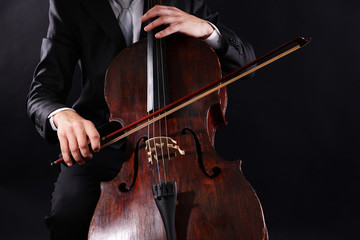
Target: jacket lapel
x=102 y=12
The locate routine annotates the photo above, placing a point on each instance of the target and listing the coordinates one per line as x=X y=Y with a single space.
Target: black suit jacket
x=87 y=32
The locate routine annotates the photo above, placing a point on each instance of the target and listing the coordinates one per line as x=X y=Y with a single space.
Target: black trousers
x=76 y=194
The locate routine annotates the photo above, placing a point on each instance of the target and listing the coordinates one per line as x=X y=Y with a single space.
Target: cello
x=173 y=185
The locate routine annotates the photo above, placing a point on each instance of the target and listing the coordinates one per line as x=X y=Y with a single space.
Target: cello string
x=152 y=126
x=149 y=125
x=160 y=81
x=156 y=154
x=158 y=133
x=152 y=160
x=164 y=104
x=166 y=127
x=164 y=99
x=157 y=79
x=162 y=62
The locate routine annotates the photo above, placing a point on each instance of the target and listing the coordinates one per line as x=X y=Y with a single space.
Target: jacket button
x=234 y=42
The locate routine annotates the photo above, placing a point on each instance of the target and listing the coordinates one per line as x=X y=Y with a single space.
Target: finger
x=64 y=146
x=168 y=31
x=94 y=136
x=82 y=141
x=74 y=147
x=161 y=21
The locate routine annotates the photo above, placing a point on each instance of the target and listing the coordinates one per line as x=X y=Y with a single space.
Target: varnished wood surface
x=223 y=207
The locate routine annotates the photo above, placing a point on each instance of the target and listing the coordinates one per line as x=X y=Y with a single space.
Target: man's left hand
x=176 y=21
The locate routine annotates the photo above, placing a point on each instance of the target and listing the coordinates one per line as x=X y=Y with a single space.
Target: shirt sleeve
x=51 y=115
x=215 y=39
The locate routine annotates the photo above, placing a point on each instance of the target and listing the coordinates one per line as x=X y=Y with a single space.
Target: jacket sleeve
x=53 y=76
x=235 y=52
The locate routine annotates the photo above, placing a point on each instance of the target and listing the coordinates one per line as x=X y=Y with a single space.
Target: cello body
x=214 y=200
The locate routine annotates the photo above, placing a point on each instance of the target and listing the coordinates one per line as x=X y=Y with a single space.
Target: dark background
x=295 y=125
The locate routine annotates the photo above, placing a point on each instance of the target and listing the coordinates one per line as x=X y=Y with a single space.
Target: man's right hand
x=75 y=133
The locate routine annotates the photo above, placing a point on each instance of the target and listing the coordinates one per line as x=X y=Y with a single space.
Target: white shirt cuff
x=215 y=39
x=51 y=119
